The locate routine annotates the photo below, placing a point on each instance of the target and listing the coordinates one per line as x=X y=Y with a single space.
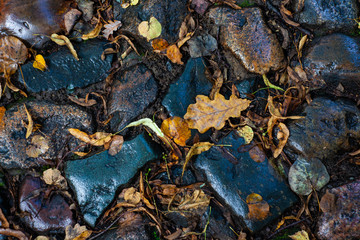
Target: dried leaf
x=132 y=196
x=246 y=132
x=206 y=113
x=82 y=101
x=328 y=202
x=302 y=42
x=81 y=154
x=79 y=135
x=282 y=136
x=174 y=54
x=100 y=138
x=76 y=232
x=275 y=112
x=195 y=200
x=258 y=208
x=40 y=63
x=196 y=149
x=13 y=52
x=111 y=27
x=116 y=144
x=93 y=33
x=30 y=125
x=128 y=3
x=185 y=39
x=63 y=40
x=159 y=44
x=39 y=145
x=150 y=29
x=150 y=124
x=177 y=129
x=300 y=235
x=52 y=176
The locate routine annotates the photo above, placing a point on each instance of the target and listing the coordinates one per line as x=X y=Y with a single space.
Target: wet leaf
x=195 y=200
x=81 y=154
x=52 y=176
x=206 y=113
x=96 y=139
x=40 y=63
x=282 y=136
x=83 y=136
x=116 y=144
x=132 y=196
x=196 y=149
x=150 y=29
x=93 y=33
x=77 y=232
x=39 y=145
x=300 y=235
x=13 y=52
x=63 y=40
x=128 y=3
x=83 y=101
x=150 y=124
x=257 y=154
x=246 y=132
x=258 y=208
x=42 y=238
x=177 y=129
x=328 y=202
x=159 y=44
x=30 y=126
x=110 y=28
x=269 y=84
x=304 y=176
x=174 y=54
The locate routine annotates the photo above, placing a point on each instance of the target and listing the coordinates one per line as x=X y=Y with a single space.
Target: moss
x=245 y=4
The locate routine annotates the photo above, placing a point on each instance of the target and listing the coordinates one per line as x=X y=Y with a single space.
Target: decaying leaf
x=304 y=176
x=132 y=196
x=197 y=199
x=174 y=54
x=159 y=44
x=63 y=40
x=246 y=132
x=258 y=208
x=77 y=232
x=128 y=3
x=206 y=113
x=110 y=28
x=83 y=101
x=177 y=129
x=300 y=235
x=150 y=124
x=39 y=63
x=282 y=136
x=52 y=176
x=150 y=29
x=116 y=144
x=13 y=52
x=257 y=154
x=30 y=126
x=96 y=139
x=196 y=149
x=93 y=33
x=39 y=145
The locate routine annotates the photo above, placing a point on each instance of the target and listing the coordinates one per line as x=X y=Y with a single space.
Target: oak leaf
x=177 y=129
x=206 y=113
x=111 y=27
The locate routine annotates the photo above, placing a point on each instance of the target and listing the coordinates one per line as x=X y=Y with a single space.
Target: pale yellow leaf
x=30 y=125
x=300 y=235
x=52 y=176
x=63 y=40
x=150 y=29
x=196 y=149
x=246 y=132
x=79 y=135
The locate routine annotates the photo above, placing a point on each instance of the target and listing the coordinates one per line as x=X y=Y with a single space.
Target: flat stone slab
x=234 y=175
x=64 y=71
x=95 y=180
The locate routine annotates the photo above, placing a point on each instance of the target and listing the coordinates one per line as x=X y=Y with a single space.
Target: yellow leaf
x=52 y=176
x=196 y=149
x=300 y=235
x=206 y=113
x=100 y=138
x=39 y=63
x=77 y=232
x=81 y=154
x=63 y=40
x=246 y=132
x=177 y=129
x=258 y=208
x=150 y=29
x=174 y=54
x=30 y=125
x=93 y=33
x=79 y=135
x=282 y=136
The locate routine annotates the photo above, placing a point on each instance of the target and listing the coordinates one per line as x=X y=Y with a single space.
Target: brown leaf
x=2 y=114
x=13 y=52
x=196 y=149
x=39 y=145
x=257 y=154
x=52 y=176
x=328 y=202
x=30 y=125
x=63 y=40
x=206 y=113
x=116 y=144
x=159 y=44
x=282 y=136
x=76 y=232
x=197 y=199
x=132 y=196
x=111 y=27
x=79 y=135
x=93 y=33
x=177 y=129
x=174 y=54
x=258 y=208
x=82 y=101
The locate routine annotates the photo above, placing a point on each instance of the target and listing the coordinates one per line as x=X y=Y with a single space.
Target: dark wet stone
x=170 y=14
x=130 y=95
x=43 y=214
x=329 y=126
x=234 y=175
x=328 y=16
x=334 y=60
x=95 y=180
x=25 y=18
x=54 y=120
x=191 y=83
x=202 y=45
x=64 y=71
x=341 y=213
x=246 y=87
x=175 y=174
x=245 y=34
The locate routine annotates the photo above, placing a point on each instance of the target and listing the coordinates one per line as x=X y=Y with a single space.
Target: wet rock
x=341 y=213
x=175 y=174
x=54 y=120
x=131 y=226
x=25 y=18
x=170 y=14
x=246 y=35
x=130 y=95
x=328 y=127
x=202 y=45
x=334 y=60
x=95 y=180
x=191 y=83
x=43 y=214
x=234 y=175
x=200 y=6
x=328 y=16
x=246 y=87
x=64 y=71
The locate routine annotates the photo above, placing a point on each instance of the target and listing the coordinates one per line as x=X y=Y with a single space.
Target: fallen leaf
x=206 y=113
x=132 y=196
x=2 y=114
x=100 y=138
x=192 y=201
x=39 y=145
x=300 y=235
x=128 y=3
x=111 y=27
x=304 y=176
x=13 y=52
x=196 y=149
x=52 y=176
x=81 y=154
x=150 y=29
x=42 y=238
x=116 y=144
x=174 y=54
x=302 y=43
x=30 y=125
x=258 y=208
x=150 y=124
x=159 y=44
x=177 y=129
x=40 y=63
x=77 y=232
x=93 y=33
x=282 y=137
x=246 y=132
x=63 y=40
x=257 y=154
x=328 y=202
x=83 y=136
x=82 y=101
x=269 y=84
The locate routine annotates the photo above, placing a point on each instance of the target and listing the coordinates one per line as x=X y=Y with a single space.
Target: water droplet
x=26 y=25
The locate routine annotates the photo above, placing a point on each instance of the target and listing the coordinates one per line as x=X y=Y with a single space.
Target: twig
x=283 y=228
x=14 y=233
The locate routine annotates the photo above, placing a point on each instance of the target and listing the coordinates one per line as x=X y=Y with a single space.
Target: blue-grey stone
x=65 y=71
x=202 y=45
x=95 y=180
x=234 y=175
x=183 y=92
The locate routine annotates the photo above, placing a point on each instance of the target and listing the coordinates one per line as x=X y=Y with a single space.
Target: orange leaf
x=258 y=208
x=206 y=113
x=2 y=114
x=159 y=44
x=174 y=54
x=282 y=136
x=177 y=129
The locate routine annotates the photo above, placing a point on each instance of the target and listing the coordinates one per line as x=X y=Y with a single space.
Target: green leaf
x=270 y=85
x=150 y=124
